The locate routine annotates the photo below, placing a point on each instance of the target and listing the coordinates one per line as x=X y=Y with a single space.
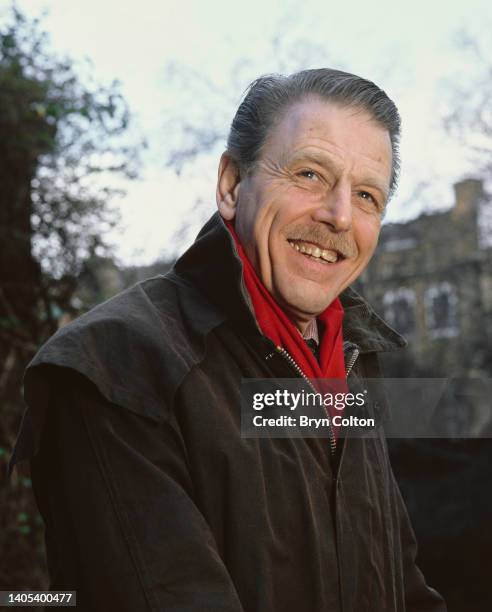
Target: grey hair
x=268 y=97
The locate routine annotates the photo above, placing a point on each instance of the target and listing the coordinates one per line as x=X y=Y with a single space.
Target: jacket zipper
x=295 y=365
x=352 y=359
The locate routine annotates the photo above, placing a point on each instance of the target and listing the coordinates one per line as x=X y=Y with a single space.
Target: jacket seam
x=110 y=392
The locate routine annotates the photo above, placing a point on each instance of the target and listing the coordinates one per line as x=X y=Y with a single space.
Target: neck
x=302 y=324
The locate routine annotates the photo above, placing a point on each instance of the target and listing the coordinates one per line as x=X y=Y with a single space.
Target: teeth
x=330 y=256
x=326 y=255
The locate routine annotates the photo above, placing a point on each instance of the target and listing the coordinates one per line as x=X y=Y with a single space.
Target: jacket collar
x=212 y=264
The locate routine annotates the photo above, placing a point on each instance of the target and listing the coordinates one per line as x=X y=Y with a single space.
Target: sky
x=191 y=60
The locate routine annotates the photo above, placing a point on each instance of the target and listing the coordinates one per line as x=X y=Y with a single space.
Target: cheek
x=275 y=214
x=290 y=207
x=366 y=233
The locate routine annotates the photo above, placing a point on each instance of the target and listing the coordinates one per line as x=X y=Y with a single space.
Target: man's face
x=309 y=215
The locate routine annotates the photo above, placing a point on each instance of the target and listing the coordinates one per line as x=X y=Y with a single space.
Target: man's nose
x=335 y=209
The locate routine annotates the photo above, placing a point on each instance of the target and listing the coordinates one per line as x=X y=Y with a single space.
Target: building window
x=441 y=310
x=399 y=309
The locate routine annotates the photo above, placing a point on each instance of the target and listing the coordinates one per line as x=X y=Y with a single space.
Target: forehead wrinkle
x=325 y=146
x=300 y=125
x=321 y=149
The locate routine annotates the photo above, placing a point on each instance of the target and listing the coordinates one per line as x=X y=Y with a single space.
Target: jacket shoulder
x=136 y=347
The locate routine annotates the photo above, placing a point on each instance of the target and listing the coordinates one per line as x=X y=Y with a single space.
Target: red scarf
x=275 y=324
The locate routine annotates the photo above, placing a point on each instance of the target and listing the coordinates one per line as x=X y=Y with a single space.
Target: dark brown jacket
x=152 y=499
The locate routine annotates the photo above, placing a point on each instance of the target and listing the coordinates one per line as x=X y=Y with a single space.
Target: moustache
x=324 y=239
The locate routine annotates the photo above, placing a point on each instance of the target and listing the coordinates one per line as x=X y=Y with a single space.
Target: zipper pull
x=278 y=349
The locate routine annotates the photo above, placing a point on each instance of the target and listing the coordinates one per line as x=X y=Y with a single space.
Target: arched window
x=441 y=311
x=399 y=309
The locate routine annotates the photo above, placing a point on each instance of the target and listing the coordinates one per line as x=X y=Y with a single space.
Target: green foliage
x=73 y=134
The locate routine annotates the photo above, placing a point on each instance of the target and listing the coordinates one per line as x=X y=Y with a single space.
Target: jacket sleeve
x=122 y=528
x=419 y=597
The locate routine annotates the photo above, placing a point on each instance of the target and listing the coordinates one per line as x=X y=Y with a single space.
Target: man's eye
x=365 y=195
x=310 y=174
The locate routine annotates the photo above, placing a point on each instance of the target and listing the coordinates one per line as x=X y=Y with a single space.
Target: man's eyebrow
x=328 y=162
x=312 y=156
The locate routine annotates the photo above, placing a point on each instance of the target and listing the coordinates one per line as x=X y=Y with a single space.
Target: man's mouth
x=314 y=252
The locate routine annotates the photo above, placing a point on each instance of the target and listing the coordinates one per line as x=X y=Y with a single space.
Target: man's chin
x=304 y=306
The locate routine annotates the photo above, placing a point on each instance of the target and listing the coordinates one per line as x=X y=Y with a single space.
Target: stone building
x=431 y=278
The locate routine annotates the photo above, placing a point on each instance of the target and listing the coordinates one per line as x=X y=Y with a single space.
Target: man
x=151 y=497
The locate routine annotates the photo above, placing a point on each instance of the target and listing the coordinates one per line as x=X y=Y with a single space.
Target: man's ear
x=228 y=182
